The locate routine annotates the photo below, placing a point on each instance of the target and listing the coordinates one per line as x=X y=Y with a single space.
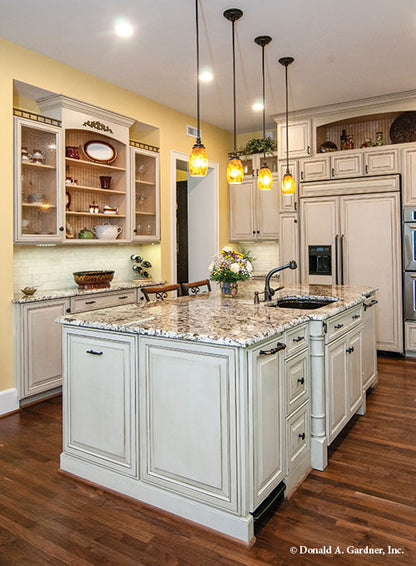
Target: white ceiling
x=343 y=49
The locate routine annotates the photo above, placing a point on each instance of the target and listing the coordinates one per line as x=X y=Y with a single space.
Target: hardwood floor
x=366 y=498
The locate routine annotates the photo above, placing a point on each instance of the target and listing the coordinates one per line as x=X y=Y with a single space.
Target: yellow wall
x=27 y=66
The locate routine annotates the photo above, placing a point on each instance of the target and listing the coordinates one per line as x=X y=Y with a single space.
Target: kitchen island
x=209 y=407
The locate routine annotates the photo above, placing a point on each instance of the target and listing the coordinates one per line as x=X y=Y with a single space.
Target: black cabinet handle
x=123 y=297
x=135 y=230
x=279 y=346
x=341 y=257
x=302 y=436
x=94 y=353
x=338 y=326
x=356 y=316
x=90 y=302
x=254 y=231
x=350 y=350
x=301 y=380
x=309 y=149
x=366 y=169
x=301 y=175
x=333 y=172
x=68 y=310
x=299 y=338
x=61 y=228
x=336 y=260
x=370 y=304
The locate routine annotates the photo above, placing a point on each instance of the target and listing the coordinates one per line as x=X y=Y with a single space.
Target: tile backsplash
x=52 y=267
x=266 y=255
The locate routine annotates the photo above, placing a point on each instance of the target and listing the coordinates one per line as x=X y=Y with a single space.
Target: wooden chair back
x=195 y=287
x=160 y=292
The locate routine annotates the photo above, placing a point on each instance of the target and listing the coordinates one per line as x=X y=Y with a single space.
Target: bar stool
x=161 y=292
x=195 y=287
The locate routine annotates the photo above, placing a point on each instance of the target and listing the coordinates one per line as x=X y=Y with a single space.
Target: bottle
x=344 y=140
x=379 y=138
x=136 y=258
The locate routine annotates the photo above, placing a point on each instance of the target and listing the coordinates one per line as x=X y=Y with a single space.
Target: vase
x=229 y=289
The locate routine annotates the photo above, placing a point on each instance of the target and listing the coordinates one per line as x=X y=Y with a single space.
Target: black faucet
x=268 y=291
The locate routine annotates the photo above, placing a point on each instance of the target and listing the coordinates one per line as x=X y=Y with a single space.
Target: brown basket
x=93 y=279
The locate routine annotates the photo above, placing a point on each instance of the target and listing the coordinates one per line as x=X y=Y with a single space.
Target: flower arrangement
x=230 y=266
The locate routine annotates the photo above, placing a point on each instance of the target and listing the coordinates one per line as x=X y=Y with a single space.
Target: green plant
x=257 y=145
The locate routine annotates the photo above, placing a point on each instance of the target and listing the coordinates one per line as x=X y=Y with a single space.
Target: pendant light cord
x=287 y=123
x=264 y=105
x=234 y=96
x=198 y=139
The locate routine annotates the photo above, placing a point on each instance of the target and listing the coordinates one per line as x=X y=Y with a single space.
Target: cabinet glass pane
x=38 y=181
x=145 y=195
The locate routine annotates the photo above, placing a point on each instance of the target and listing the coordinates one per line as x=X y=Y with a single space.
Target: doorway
x=194 y=220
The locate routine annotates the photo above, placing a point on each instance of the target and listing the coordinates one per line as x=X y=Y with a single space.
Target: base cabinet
x=100 y=419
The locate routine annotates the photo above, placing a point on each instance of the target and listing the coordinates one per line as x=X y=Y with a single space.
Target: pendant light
x=288 y=183
x=265 y=178
x=235 y=171
x=198 y=160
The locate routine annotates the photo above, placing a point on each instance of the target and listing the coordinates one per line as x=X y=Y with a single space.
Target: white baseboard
x=9 y=401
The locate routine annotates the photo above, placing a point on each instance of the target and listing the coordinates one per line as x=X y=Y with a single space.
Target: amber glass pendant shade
x=198 y=161
x=235 y=171
x=288 y=185
x=265 y=179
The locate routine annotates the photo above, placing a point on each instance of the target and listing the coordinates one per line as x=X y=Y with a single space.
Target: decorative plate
x=403 y=129
x=100 y=151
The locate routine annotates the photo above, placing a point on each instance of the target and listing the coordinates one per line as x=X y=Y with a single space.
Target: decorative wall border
x=36 y=117
x=141 y=145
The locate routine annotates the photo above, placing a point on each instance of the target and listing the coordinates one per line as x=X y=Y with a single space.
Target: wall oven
x=409 y=262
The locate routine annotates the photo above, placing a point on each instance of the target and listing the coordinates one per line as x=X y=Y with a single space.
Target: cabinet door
x=380 y=162
x=371 y=253
x=369 y=346
x=268 y=421
x=300 y=139
x=409 y=176
x=319 y=227
x=298 y=437
x=315 y=169
x=38 y=172
x=188 y=420
x=242 y=203
x=42 y=346
x=288 y=203
x=100 y=399
x=337 y=384
x=268 y=210
x=355 y=374
x=343 y=166
x=145 y=195
x=289 y=246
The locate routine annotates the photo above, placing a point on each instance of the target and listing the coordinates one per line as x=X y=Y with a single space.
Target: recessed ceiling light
x=206 y=76
x=123 y=28
x=258 y=106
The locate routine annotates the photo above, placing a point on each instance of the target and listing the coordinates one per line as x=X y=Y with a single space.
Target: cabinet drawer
x=347 y=165
x=297 y=381
x=102 y=301
x=381 y=162
x=298 y=436
x=344 y=321
x=315 y=169
x=296 y=339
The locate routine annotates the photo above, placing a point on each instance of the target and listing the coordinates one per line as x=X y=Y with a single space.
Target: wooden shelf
x=98 y=214
x=37 y=205
x=37 y=165
x=150 y=183
x=142 y=213
x=93 y=189
x=70 y=160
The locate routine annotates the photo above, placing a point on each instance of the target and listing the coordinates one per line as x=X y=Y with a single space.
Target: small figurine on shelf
x=379 y=138
x=140 y=266
x=350 y=141
x=368 y=143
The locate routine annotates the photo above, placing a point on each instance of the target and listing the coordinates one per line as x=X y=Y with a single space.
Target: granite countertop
x=211 y=318
x=74 y=291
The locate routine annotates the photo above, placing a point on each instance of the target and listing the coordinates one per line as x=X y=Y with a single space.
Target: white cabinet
x=145 y=195
x=254 y=214
x=409 y=176
x=381 y=161
x=344 y=380
x=99 y=412
x=315 y=169
x=369 y=343
x=38 y=346
x=300 y=139
x=288 y=203
x=38 y=211
x=346 y=165
x=363 y=231
x=253 y=163
x=289 y=246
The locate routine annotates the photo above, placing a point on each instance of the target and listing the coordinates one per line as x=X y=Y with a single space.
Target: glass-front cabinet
x=145 y=191
x=38 y=206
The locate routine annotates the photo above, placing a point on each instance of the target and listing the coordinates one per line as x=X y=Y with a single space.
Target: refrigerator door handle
x=336 y=259
x=342 y=258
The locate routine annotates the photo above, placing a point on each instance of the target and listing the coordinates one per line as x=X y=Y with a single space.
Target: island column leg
x=319 y=444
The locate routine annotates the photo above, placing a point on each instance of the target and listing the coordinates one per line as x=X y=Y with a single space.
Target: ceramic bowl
x=93 y=279
x=29 y=290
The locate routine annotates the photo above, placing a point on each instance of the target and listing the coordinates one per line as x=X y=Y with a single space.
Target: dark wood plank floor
x=365 y=499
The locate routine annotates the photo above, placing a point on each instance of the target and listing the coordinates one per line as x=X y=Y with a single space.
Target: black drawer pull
x=356 y=316
x=68 y=310
x=123 y=297
x=299 y=338
x=302 y=436
x=370 y=304
x=94 y=353
x=90 y=302
x=301 y=380
x=350 y=350
x=279 y=346
x=337 y=326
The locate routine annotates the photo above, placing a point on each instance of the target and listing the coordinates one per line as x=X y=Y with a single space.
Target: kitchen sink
x=308 y=303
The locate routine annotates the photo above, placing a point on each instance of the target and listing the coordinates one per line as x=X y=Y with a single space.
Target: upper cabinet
x=300 y=139
x=38 y=167
x=77 y=180
x=253 y=163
